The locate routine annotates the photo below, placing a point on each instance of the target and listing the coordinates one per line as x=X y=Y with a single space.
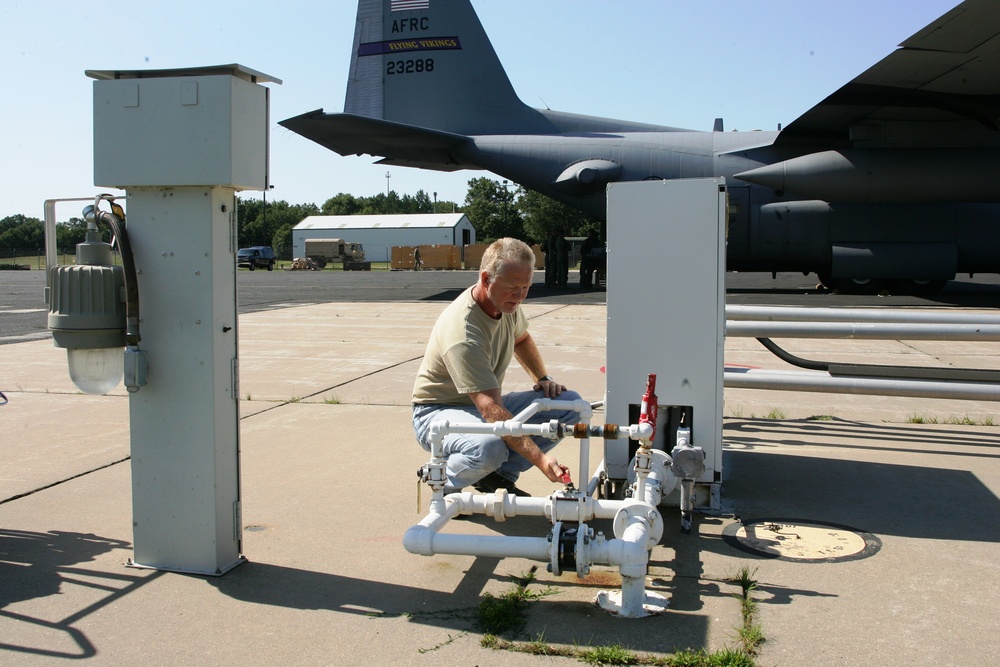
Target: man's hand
x=550 y=388
x=552 y=469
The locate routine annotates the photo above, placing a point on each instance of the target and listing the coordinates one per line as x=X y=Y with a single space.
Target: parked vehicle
x=257 y=257
x=325 y=251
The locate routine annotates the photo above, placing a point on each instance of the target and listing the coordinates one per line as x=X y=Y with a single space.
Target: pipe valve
x=649 y=406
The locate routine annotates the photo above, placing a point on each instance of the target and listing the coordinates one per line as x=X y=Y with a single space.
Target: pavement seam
x=341 y=384
x=4 y=501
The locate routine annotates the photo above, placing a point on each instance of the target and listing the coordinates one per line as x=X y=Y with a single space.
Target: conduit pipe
x=765 y=322
x=822 y=382
x=864 y=330
x=793 y=314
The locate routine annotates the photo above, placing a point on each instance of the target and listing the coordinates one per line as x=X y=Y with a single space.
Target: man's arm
x=527 y=354
x=490 y=405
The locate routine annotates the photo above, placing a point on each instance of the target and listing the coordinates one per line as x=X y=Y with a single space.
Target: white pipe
x=576 y=508
x=492 y=546
x=823 y=382
x=595 y=479
x=864 y=330
x=419 y=539
x=510 y=427
x=632 y=558
x=789 y=314
x=584 y=460
x=630 y=552
x=528 y=412
x=516 y=427
x=633 y=571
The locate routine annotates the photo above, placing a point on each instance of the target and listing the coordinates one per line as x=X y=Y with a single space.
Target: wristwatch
x=546 y=378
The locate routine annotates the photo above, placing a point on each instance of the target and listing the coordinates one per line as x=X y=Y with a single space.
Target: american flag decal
x=409 y=5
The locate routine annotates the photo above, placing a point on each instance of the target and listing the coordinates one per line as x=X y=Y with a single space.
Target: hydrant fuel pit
x=570 y=544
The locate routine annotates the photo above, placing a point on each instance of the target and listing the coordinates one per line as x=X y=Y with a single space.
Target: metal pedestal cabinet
x=666 y=313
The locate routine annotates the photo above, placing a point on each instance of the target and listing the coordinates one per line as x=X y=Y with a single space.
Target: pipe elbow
x=438 y=429
x=419 y=540
x=582 y=406
x=634 y=550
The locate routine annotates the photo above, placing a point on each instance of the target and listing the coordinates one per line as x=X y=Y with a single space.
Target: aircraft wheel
x=851 y=285
x=919 y=286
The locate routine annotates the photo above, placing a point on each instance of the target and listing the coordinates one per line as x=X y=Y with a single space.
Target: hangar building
x=379 y=233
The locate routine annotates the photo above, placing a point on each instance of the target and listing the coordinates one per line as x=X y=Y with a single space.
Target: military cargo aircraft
x=894 y=179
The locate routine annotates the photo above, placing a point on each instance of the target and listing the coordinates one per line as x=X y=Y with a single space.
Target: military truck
x=326 y=251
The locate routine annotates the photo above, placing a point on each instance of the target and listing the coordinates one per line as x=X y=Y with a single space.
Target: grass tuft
x=608 y=655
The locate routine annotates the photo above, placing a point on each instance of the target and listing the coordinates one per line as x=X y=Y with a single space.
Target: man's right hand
x=552 y=469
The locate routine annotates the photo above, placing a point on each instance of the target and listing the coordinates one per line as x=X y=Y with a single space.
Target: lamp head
x=87 y=315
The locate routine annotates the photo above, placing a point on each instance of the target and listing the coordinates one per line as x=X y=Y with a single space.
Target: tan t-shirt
x=468 y=351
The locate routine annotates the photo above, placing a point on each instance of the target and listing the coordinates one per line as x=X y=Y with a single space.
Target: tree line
x=495 y=210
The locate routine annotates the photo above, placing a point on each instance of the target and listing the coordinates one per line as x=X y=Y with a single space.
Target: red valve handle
x=650 y=406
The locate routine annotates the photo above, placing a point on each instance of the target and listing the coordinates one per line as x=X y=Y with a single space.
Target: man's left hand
x=550 y=388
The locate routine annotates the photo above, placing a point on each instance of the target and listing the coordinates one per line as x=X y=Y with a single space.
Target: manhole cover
x=799 y=540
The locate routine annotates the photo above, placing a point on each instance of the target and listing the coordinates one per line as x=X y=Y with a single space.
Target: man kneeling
x=461 y=377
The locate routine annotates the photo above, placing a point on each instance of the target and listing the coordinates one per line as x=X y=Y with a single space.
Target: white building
x=379 y=233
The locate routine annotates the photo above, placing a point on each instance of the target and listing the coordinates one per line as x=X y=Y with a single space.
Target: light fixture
x=87 y=313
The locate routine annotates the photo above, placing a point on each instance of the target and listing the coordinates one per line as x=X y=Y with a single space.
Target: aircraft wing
x=941 y=88
x=399 y=143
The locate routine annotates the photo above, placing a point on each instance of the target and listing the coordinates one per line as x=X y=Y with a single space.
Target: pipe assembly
x=571 y=544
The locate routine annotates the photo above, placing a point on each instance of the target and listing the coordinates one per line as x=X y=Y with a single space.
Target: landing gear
x=919 y=286
x=874 y=286
x=851 y=285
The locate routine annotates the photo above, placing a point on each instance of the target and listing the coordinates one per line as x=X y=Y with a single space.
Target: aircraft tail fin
x=429 y=63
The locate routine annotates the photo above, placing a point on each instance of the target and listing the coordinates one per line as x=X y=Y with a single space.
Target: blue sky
x=673 y=62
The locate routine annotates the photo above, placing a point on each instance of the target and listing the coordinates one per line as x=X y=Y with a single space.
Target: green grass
x=507 y=614
x=964 y=420
x=750 y=634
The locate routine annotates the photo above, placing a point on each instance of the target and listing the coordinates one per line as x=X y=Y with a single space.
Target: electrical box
x=181 y=143
x=666 y=313
x=181 y=127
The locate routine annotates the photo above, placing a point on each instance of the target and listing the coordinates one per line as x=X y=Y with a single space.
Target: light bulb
x=96 y=370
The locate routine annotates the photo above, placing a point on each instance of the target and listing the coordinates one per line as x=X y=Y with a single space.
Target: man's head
x=506 y=272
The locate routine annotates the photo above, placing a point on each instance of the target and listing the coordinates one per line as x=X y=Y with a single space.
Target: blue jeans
x=472 y=456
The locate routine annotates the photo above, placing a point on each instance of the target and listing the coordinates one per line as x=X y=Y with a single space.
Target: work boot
x=494 y=481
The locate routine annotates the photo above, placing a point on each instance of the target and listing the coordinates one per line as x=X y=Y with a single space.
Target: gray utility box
x=182 y=143
x=666 y=313
x=181 y=127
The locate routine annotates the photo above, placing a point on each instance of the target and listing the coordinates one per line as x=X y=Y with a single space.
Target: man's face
x=510 y=287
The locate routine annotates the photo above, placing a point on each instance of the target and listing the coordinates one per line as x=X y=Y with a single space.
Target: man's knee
x=485 y=454
x=494 y=454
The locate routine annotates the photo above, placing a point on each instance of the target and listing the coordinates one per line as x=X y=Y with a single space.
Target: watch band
x=546 y=378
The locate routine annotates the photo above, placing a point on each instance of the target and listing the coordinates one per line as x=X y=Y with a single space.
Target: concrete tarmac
x=328 y=485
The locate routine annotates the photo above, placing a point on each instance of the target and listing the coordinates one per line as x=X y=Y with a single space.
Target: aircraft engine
x=882 y=176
